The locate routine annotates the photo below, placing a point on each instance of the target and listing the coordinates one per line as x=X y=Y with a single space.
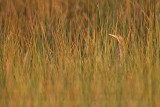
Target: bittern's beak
x=114 y=36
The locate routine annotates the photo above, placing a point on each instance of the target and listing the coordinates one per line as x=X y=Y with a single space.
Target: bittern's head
x=119 y=38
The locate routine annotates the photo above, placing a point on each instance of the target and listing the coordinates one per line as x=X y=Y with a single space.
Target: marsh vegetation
x=57 y=53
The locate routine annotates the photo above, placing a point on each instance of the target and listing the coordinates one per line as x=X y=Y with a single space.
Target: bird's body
x=120 y=42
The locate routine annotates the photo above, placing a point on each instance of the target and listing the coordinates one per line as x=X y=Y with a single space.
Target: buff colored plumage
x=120 y=43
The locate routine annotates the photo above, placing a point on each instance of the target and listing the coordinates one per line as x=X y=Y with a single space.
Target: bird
x=120 y=43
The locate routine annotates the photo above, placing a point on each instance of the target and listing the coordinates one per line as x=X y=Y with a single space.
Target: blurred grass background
x=57 y=53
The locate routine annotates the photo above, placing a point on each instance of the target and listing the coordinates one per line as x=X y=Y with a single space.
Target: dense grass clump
x=57 y=53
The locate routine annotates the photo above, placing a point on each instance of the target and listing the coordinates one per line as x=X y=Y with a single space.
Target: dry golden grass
x=58 y=53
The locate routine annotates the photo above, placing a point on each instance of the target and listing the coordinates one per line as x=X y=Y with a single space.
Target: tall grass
x=58 y=53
